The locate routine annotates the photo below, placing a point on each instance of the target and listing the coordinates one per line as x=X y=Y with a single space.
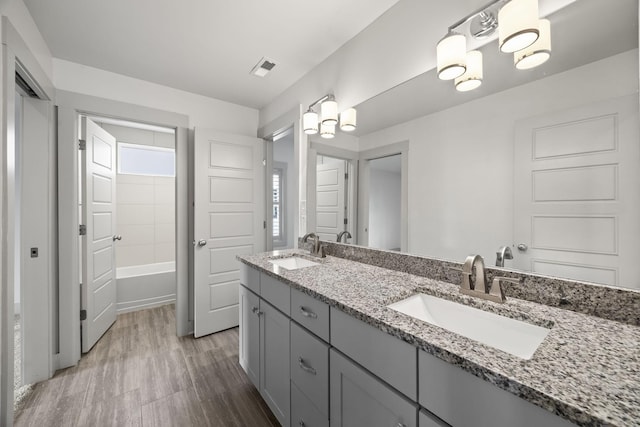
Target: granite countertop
x=587 y=369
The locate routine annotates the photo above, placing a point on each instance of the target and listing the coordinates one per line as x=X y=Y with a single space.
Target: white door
x=228 y=221
x=577 y=207
x=98 y=245
x=330 y=206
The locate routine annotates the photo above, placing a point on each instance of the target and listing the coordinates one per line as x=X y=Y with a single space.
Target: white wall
x=145 y=206
x=384 y=209
x=202 y=111
x=460 y=166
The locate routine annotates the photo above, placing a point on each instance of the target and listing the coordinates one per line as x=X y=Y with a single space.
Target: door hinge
x=82 y=229
x=264 y=162
x=264 y=224
x=346 y=176
x=82 y=145
x=345 y=221
x=83 y=314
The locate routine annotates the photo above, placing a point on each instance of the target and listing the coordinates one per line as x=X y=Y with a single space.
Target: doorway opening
x=332 y=199
x=385 y=190
x=127 y=204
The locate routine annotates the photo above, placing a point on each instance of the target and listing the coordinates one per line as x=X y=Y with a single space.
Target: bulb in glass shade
x=539 y=52
x=472 y=78
x=517 y=25
x=310 y=122
x=348 y=120
x=329 y=112
x=451 y=54
x=327 y=131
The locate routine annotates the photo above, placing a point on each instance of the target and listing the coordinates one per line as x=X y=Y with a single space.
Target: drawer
x=250 y=278
x=277 y=293
x=310 y=313
x=303 y=412
x=425 y=419
x=389 y=358
x=310 y=367
x=462 y=399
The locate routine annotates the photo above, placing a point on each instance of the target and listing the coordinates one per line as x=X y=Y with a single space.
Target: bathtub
x=145 y=286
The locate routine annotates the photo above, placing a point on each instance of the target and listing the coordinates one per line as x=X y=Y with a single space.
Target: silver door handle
x=256 y=311
x=307 y=313
x=522 y=247
x=202 y=243
x=117 y=237
x=303 y=365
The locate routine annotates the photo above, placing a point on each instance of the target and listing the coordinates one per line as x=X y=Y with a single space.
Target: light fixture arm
x=474 y=14
x=328 y=96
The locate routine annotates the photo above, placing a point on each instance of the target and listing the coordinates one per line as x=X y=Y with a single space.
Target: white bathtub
x=144 y=286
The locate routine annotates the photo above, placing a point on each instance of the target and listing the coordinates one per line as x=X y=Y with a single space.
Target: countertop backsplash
x=608 y=302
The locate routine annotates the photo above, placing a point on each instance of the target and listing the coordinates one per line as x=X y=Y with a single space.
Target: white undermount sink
x=512 y=336
x=292 y=263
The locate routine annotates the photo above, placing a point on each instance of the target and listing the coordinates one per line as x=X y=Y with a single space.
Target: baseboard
x=127 y=306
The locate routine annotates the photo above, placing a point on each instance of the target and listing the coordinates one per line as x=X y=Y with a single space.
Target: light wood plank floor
x=141 y=374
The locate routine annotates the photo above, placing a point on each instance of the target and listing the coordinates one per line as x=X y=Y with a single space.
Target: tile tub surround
x=587 y=370
x=608 y=302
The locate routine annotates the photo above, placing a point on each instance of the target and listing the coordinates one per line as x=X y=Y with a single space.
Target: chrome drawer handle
x=401 y=425
x=308 y=313
x=256 y=311
x=303 y=365
x=301 y=423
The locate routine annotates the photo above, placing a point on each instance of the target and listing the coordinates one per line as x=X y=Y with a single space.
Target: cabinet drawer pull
x=401 y=425
x=301 y=423
x=256 y=311
x=303 y=365
x=308 y=313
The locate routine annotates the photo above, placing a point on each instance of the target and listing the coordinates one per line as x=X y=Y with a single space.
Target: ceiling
x=206 y=47
x=583 y=32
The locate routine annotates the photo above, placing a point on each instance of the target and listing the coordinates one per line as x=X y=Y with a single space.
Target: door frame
x=318 y=149
x=15 y=56
x=401 y=148
x=70 y=107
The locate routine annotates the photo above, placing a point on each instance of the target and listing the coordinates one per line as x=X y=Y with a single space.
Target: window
x=278 y=185
x=134 y=159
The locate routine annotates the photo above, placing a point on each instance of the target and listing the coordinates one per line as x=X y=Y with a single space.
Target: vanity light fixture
x=327 y=121
x=539 y=52
x=472 y=78
x=519 y=30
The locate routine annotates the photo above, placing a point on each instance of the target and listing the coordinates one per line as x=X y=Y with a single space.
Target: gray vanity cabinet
x=360 y=399
x=274 y=361
x=249 y=350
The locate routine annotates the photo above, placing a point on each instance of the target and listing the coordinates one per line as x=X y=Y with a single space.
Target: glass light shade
x=327 y=131
x=310 y=122
x=451 y=56
x=348 y=120
x=538 y=53
x=329 y=112
x=472 y=78
x=517 y=25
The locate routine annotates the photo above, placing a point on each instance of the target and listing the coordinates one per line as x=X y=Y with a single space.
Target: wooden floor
x=141 y=374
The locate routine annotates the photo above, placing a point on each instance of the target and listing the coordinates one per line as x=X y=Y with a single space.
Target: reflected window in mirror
x=278 y=185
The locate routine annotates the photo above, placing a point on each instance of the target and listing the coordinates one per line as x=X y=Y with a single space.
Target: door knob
x=522 y=247
x=202 y=243
x=117 y=237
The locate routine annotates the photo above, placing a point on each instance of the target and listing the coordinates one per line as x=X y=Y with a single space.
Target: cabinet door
x=360 y=399
x=274 y=358
x=250 y=334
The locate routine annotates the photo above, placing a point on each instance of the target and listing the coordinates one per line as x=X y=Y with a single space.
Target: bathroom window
x=279 y=238
x=134 y=159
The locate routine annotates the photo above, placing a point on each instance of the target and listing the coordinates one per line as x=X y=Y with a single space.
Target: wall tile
x=165 y=252
x=165 y=213
x=164 y=194
x=135 y=194
x=165 y=233
x=130 y=214
x=134 y=179
x=136 y=235
x=134 y=255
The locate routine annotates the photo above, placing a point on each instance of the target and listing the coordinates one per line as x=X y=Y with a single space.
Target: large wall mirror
x=545 y=162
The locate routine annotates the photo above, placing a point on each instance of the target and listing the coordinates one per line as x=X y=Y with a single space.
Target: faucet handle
x=496 y=289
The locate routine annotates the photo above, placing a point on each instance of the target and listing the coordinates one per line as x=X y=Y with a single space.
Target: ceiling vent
x=263 y=67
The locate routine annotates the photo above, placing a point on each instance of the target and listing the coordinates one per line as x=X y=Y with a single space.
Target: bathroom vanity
x=321 y=343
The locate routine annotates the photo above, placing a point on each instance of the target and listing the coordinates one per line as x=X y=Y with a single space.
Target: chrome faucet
x=503 y=253
x=477 y=286
x=316 y=249
x=343 y=233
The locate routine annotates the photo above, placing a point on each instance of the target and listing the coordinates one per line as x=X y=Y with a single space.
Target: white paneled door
x=98 y=215
x=577 y=208
x=228 y=221
x=330 y=200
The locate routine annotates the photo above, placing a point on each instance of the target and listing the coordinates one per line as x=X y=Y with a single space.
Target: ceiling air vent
x=263 y=67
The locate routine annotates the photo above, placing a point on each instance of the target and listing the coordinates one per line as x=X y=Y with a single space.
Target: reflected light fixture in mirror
x=472 y=78
x=451 y=54
x=517 y=25
x=327 y=121
x=538 y=53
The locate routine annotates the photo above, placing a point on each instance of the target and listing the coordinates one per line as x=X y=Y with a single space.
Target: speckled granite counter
x=587 y=370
